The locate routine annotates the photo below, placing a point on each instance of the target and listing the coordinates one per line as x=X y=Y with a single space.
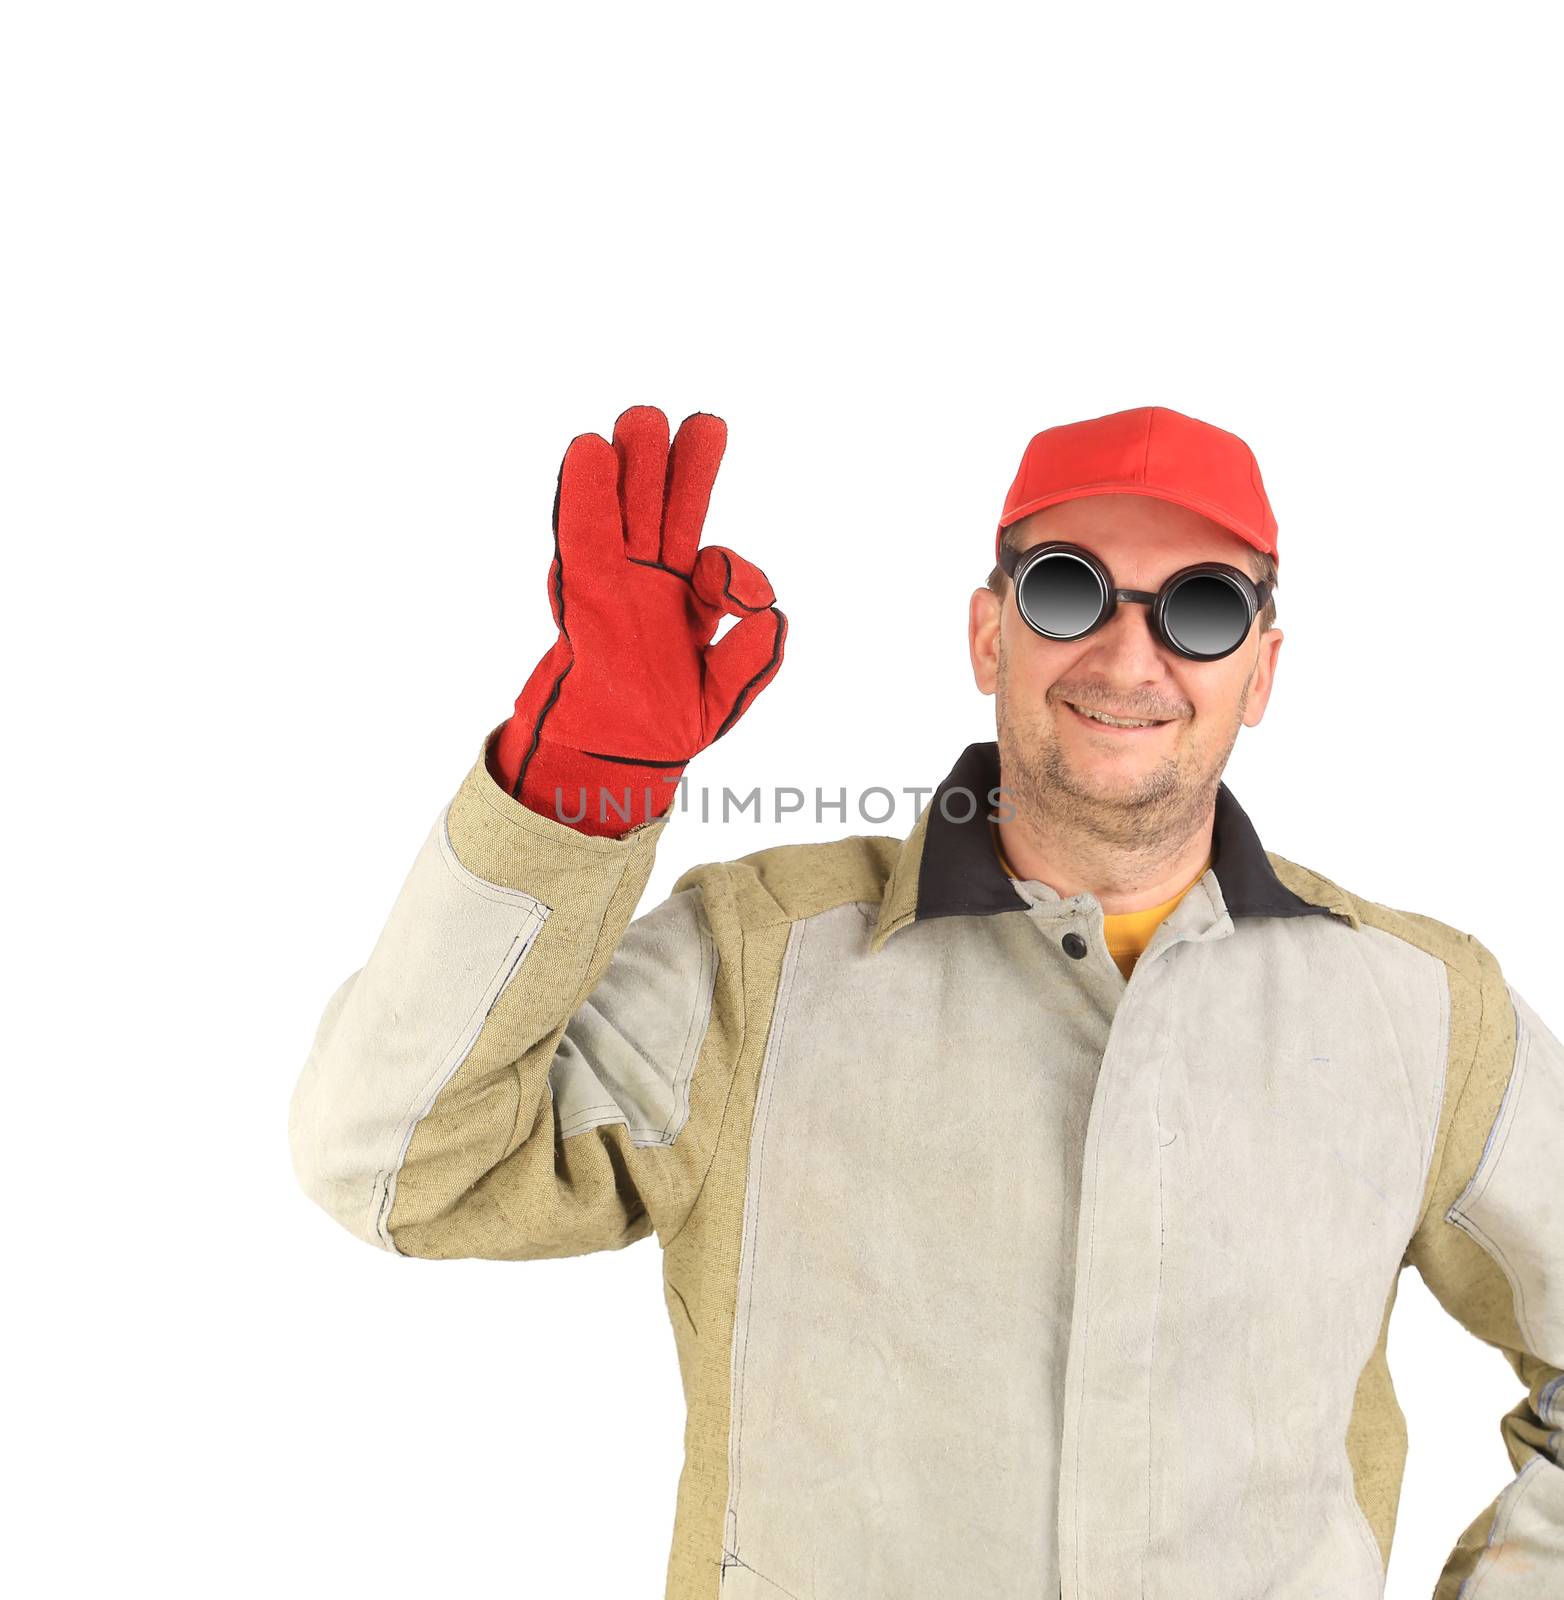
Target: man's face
x=1125 y=783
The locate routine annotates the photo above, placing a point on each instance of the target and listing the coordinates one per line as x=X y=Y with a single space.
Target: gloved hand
x=633 y=687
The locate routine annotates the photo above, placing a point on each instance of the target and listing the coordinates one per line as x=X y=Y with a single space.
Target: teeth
x=1115 y=722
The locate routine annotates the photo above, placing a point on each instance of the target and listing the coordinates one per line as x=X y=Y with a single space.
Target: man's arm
x=519 y=1071
x=1491 y=1249
x=512 y=1073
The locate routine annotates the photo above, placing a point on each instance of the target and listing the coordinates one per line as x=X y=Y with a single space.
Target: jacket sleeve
x=519 y=1071
x=1491 y=1249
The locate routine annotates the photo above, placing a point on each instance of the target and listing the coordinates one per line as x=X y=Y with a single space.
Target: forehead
x=1134 y=529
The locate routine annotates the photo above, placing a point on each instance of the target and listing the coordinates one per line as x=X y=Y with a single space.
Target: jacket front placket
x=1105 y=1466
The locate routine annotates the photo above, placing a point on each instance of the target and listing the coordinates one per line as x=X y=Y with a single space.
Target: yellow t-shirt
x=1129 y=932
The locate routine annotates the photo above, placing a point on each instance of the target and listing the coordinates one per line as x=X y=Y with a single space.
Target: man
x=1033 y=1191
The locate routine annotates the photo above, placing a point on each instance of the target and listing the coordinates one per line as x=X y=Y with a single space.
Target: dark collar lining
x=960 y=874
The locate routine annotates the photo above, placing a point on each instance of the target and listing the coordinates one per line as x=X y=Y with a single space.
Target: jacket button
x=1074 y=945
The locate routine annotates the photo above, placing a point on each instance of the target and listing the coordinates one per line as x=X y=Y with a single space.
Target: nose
x=1125 y=649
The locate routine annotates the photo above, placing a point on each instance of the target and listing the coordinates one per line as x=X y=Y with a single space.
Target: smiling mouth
x=1102 y=719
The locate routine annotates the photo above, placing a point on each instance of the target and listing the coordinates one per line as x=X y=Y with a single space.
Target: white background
x=304 y=303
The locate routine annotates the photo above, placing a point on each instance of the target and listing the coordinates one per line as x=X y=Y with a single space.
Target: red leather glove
x=633 y=687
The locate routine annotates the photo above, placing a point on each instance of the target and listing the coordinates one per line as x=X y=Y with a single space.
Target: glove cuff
x=594 y=794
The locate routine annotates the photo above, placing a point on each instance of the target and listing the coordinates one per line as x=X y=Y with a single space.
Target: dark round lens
x=1060 y=595
x=1206 y=615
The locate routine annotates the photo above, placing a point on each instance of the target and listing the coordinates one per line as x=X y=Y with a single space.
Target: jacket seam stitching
x=1499 y=1532
x=754 y=1173
x=737 y=1055
x=1437 y=1181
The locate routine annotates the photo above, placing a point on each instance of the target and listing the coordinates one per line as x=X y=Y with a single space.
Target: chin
x=1117 y=784
x=1129 y=779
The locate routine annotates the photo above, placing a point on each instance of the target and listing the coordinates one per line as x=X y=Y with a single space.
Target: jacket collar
x=947 y=865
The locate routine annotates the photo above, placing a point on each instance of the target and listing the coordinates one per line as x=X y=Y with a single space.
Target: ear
x=1263 y=676
x=985 y=611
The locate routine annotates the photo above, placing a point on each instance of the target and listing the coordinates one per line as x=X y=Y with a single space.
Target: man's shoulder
x=791 y=882
x=1458 y=949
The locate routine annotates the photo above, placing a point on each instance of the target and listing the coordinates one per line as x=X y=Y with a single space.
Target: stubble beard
x=1156 y=812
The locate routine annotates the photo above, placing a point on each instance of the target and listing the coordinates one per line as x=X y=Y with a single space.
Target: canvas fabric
x=991 y=1272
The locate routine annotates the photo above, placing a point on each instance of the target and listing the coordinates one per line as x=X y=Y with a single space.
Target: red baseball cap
x=1152 y=451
